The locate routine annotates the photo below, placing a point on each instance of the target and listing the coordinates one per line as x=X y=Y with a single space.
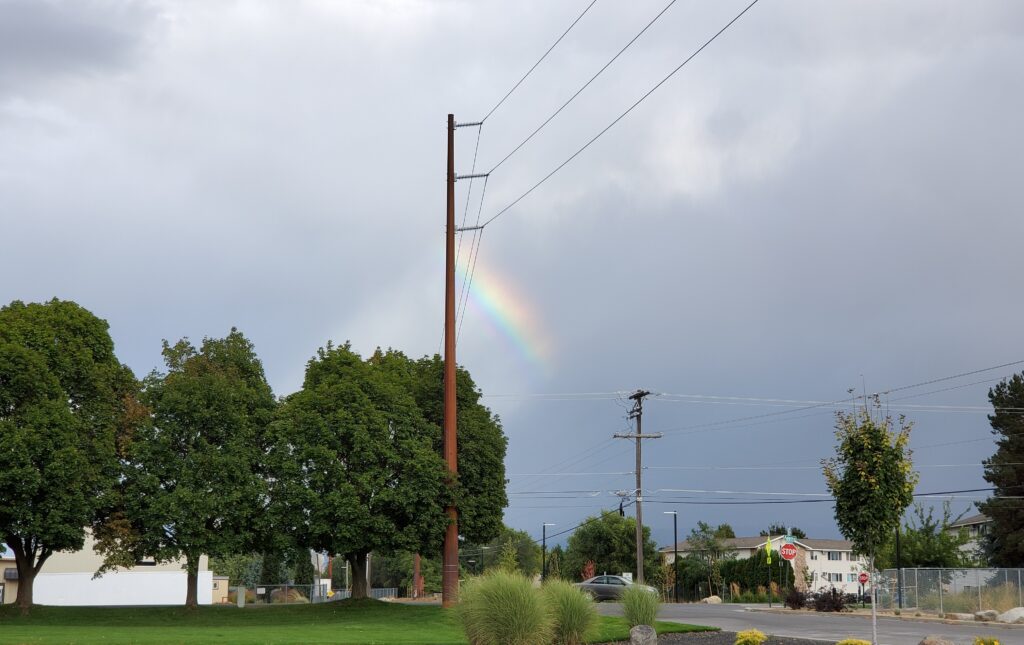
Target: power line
x=623 y=115
x=530 y=71
x=583 y=87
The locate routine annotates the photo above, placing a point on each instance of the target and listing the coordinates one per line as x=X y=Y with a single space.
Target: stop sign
x=863 y=577
x=788 y=551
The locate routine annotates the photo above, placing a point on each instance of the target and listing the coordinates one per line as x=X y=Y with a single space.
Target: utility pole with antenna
x=637 y=413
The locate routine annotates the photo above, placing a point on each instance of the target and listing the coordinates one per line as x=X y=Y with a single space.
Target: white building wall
x=120 y=588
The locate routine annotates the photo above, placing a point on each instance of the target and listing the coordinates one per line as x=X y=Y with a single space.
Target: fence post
x=977 y=575
x=917 y=591
x=941 y=612
x=1019 y=601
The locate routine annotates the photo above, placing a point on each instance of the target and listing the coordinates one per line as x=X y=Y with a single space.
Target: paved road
x=826 y=627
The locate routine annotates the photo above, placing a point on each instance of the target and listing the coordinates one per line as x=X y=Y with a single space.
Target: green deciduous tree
x=872 y=480
x=927 y=541
x=1004 y=543
x=66 y=406
x=193 y=481
x=609 y=540
x=708 y=544
x=354 y=463
x=527 y=551
x=480 y=492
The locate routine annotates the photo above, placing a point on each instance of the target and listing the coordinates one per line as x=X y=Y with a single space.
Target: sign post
x=788 y=553
x=768 y=551
x=863 y=580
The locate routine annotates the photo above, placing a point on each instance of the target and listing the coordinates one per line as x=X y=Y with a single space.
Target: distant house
x=977 y=527
x=818 y=563
x=67 y=579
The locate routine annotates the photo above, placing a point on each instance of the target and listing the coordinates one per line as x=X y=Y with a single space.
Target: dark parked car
x=607 y=587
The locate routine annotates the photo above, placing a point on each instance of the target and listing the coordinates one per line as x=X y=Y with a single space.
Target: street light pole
x=675 y=554
x=544 y=551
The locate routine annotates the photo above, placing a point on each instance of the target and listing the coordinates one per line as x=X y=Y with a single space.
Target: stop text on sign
x=788 y=551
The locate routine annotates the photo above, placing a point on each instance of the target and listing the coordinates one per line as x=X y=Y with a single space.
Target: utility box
x=240 y=593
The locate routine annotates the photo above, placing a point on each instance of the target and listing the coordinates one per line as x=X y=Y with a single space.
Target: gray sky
x=825 y=198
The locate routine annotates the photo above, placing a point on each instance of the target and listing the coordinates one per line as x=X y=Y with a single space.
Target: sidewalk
x=866 y=613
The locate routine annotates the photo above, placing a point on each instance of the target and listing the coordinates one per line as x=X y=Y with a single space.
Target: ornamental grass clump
x=640 y=605
x=853 y=641
x=751 y=637
x=501 y=608
x=986 y=640
x=571 y=612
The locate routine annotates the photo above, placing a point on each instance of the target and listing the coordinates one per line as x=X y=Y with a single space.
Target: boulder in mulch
x=987 y=615
x=936 y=640
x=954 y=616
x=643 y=635
x=712 y=600
x=1014 y=616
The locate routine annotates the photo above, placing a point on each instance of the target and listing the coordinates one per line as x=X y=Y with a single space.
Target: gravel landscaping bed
x=726 y=638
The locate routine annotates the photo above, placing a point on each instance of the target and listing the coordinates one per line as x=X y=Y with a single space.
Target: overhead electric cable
x=583 y=87
x=530 y=71
x=623 y=115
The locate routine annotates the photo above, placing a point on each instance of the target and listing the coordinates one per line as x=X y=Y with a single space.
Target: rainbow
x=507 y=311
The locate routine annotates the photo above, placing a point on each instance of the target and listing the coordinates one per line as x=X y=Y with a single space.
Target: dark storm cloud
x=41 y=40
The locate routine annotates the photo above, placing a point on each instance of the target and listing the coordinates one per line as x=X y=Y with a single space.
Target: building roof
x=758 y=542
x=980 y=518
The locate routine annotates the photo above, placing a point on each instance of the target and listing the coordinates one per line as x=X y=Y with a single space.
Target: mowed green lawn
x=360 y=621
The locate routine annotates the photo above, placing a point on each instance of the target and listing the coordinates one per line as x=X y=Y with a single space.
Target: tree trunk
x=28 y=566
x=25 y=583
x=192 y=584
x=360 y=588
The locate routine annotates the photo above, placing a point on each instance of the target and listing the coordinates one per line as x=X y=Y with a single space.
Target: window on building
x=851 y=577
x=814 y=555
x=835 y=555
x=216 y=585
x=11 y=573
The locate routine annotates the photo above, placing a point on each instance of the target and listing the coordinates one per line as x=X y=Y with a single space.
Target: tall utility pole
x=637 y=413
x=450 y=565
x=450 y=555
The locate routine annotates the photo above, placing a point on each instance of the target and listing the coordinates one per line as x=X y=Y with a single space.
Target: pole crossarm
x=474 y=124
x=478 y=175
x=654 y=435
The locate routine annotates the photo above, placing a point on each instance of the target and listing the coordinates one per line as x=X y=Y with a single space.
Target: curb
x=909 y=619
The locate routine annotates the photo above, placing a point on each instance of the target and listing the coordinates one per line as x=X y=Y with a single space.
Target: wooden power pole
x=637 y=413
x=450 y=565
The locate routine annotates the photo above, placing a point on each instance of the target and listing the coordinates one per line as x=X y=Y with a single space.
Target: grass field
x=359 y=621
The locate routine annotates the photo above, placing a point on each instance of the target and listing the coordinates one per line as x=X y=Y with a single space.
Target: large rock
x=960 y=616
x=936 y=640
x=987 y=615
x=1014 y=616
x=712 y=600
x=643 y=635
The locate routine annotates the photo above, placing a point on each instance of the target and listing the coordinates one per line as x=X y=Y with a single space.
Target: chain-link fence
x=378 y=593
x=944 y=591
x=299 y=594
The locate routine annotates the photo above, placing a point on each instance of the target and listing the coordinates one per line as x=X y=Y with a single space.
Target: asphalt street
x=825 y=627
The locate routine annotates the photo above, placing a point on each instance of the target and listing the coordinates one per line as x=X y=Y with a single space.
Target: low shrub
x=750 y=637
x=571 y=612
x=501 y=608
x=853 y=641
x=287 y=597
x=986 y=640
x=829 y=600
x=639 y=605
x=796 y=599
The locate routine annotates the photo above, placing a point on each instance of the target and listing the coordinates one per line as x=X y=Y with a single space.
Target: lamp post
x=544 y=551
x=675 y=554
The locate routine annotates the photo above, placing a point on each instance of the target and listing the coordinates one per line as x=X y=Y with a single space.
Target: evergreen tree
x=1004 y=543
x=509 y=560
